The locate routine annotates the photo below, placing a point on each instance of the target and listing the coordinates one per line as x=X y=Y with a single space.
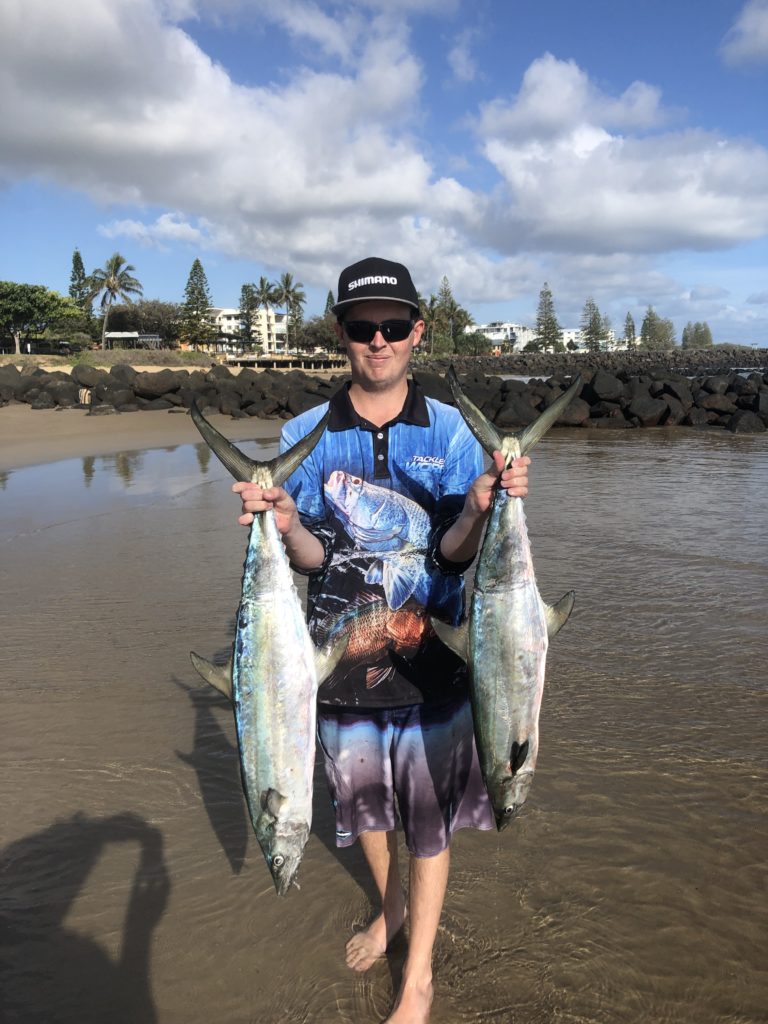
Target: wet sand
x=29 y=437
x=630 y=889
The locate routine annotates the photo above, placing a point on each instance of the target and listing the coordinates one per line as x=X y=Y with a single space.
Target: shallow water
x=631 y=888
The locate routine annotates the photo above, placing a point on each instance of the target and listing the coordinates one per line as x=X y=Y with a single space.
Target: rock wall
x=615 y=398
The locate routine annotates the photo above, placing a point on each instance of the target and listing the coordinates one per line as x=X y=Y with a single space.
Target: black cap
x=375 y=278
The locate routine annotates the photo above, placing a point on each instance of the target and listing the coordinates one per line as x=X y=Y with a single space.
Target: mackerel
x=274 y=673
x=504 y=639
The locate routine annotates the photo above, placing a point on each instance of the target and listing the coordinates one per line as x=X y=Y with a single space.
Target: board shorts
x=418 y=763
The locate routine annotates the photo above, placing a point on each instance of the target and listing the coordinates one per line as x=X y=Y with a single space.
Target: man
x=384 y=516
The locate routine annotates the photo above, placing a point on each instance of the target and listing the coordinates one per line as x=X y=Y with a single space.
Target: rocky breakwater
x=268 y=394
x=621 y=400
x=615 y=400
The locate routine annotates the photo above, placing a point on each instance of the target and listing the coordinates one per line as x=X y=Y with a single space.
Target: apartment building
x=269 y=328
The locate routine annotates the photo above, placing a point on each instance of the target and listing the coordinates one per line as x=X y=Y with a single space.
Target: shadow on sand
x=53 y=974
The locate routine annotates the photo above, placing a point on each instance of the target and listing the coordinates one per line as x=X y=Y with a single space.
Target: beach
x=629 y=888
x=30 y=437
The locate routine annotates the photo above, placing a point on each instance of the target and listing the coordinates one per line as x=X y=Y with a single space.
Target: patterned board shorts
x=419 y=761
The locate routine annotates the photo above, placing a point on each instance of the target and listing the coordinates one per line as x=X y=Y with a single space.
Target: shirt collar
x=344 y=417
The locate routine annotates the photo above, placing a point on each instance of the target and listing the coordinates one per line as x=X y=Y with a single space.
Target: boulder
x=88 y=376
x=516 y=411
x=9 y=376
x=648 y=412
x=745 y=422
x=154 y=385
x=576 y=413
x=716 y=385
x=105 y=409
x=154 y=404
x=608 y=423
x=43 y=400
x=124 y=372
x=696 y=417
x=677 y=411
x=680 y=390
x=717 y=402
x=602 y=409
x=299 y=400
x=434 y=386
x=65 y=393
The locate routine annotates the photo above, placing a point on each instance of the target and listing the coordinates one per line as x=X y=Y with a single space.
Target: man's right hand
x=261 y=499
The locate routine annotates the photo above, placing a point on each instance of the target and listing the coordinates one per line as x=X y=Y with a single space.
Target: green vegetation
x=196 y=326
x=29 y=309
x=656 y=334
x=112 y=281
x=697 y=335
x=549 y=334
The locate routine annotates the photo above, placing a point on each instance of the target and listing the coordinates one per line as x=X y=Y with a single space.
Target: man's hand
x=260 y=499
x=513 y=480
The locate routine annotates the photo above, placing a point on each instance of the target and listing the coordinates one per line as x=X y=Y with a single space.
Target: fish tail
x=241 y=466
x=490 y=437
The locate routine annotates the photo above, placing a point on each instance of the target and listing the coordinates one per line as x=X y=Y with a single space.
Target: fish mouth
x=506 y=815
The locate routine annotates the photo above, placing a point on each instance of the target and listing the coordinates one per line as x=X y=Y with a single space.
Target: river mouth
x=629 y=887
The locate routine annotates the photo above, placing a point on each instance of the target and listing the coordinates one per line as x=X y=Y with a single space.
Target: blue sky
x=615 y=150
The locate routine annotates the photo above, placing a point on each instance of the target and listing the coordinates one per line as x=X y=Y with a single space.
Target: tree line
x=33 y=310
x=657 y=333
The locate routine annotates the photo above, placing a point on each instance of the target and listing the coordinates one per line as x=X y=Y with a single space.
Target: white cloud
x=167 y=228
x=460 y=58
x=578 y=176
x=115 y=99
x=747 y=41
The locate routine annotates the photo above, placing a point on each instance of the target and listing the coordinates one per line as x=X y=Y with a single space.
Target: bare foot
x=413 y=1004
x=370 y=945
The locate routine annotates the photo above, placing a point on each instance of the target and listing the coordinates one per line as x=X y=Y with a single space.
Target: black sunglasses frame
x=366 y=330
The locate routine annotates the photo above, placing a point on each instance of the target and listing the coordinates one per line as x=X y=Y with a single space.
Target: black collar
x=344 y=417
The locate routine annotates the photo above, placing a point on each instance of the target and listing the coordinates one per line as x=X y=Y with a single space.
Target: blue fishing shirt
x=379 y=499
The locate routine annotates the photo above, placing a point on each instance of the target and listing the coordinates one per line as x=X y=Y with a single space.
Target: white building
x=503 y=335
x=269 y=328
x=509 y=337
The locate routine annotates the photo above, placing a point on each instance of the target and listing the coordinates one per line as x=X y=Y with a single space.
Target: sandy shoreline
x=32 y=437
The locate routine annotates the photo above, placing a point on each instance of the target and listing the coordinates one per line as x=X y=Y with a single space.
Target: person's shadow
x=52 y=974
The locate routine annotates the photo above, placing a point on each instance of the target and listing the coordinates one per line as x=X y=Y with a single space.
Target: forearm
x=461 y=540
x=303 y=548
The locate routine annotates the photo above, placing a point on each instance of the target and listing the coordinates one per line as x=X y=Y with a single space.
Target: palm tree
x=115 y=281
x=265 y=295
x=289 y=293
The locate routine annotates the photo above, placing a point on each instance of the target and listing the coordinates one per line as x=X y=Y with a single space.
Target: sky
x=615 y=150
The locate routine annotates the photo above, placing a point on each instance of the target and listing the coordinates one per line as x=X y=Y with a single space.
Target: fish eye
x=278 y=860
x=356 y=480
x=509 y=810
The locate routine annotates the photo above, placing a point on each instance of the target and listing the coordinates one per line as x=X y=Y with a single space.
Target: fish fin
x=456 y=638
x=329 y=656
x=485 y=432
x=557 y=614
x=237 y=462
x=518 y=755
x=536 y=430
x=287 y=463
x=243 y=468
x=272 y=802
x=219 y=676
x=399 y=583
x=378 y=674
x=375 y=572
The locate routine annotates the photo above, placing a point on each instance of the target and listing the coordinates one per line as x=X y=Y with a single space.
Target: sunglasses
x=365 y=330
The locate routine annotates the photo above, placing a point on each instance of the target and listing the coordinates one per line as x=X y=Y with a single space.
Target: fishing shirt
x=379 y=499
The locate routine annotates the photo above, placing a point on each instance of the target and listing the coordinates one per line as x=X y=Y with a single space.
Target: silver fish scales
x=505 y=638
x=274 y=673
